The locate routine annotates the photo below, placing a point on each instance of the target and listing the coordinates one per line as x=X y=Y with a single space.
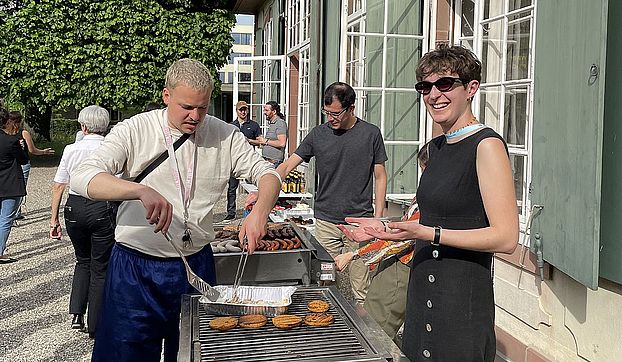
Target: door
x=268 y=82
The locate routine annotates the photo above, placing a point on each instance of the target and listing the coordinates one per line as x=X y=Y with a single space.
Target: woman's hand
x=358 y=233
x=342 y=260
x=398 y=231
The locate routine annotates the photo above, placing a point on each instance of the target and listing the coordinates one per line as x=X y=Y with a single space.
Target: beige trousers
x=335 y=242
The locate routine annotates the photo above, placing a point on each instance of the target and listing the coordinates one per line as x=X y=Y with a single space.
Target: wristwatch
x=437 y=236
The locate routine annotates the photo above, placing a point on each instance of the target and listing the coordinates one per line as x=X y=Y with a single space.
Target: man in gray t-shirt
x=276 y=136
x=349 y=158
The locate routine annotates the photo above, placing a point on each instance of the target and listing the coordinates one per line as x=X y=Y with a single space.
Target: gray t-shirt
x=278 y=127
x=345 y=161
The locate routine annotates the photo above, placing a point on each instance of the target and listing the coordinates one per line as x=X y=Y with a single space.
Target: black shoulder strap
x=152 y=166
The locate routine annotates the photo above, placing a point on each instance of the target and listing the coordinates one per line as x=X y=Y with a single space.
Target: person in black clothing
x=12 y=155
x=90 y=224
x=251 y=130
x=17 y=119
x=468 y=212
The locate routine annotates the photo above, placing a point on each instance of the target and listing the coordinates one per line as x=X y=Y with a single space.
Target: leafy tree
x=63 y=54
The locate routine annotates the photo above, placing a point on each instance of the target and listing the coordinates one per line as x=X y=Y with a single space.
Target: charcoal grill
x=305 y=266
x=353 y=336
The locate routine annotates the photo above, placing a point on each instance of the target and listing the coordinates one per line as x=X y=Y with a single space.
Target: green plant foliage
x=71 y=53
x=198 y=5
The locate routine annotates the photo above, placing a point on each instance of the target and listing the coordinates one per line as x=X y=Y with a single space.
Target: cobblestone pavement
x=34 y=292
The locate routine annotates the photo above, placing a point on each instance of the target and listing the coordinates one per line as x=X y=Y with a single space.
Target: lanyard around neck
x=185 y=188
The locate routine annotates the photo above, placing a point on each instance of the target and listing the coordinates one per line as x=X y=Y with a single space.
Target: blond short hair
x=191 y=73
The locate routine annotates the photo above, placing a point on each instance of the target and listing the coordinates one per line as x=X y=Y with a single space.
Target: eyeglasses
x=243 y=109
x=334 y=114
x=442 y=84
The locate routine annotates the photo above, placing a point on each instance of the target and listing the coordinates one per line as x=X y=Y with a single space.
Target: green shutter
x=611 y=216
x=568 y=134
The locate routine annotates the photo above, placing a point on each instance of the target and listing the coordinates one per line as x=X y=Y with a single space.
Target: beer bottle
x=284 y=185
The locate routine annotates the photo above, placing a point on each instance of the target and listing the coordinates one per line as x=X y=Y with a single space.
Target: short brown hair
x=450 y=59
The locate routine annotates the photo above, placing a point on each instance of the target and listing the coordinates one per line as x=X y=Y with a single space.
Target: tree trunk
x=40 y=122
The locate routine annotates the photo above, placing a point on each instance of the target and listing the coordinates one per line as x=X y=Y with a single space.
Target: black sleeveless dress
x=450 y=308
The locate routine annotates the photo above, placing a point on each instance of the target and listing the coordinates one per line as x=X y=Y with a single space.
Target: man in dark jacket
x=251 y=130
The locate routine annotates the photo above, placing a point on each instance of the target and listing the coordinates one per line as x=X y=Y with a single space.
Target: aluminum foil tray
x=269 y=301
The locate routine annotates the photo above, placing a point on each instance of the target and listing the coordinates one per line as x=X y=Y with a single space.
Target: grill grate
x=336 y=341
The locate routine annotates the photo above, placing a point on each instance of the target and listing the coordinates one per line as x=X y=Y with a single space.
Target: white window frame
x=504 y=85
x=265 y=83
x=298 y=42
x=303 y=125
x=358 y=16
x=298 y=22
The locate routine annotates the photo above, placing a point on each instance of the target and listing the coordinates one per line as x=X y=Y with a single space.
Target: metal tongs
x=199 y=284
x=240 y=271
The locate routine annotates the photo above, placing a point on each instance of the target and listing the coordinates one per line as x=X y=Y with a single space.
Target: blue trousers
x=142 y=303
x=26 y=172
x=8 y=209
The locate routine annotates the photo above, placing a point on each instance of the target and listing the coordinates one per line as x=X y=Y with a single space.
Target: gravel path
x=34 y=292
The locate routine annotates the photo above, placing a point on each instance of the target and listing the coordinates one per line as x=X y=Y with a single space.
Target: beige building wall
x=559 y=318
x=239 y=48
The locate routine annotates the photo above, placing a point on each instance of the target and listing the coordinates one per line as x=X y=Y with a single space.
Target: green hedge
x=64 y=129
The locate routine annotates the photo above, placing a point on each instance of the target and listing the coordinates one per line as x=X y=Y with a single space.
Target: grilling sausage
x=275 y=245
x=232 y=245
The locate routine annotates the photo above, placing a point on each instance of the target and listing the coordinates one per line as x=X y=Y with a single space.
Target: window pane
x=401 y=115
x=468 y=16
x=491 y=52
x=490 y=112
x=517 y=4
x=245 y=77
x=493 y=8
x=404 y=18
x=375 y=16
x=372 y=104
x=402 y=169
x=402 y=57
x=467 y=43
x=515 y=118
x=373 y=61
x=354 y=64
x=518 y=172
x=354 y=6
x=518 y=50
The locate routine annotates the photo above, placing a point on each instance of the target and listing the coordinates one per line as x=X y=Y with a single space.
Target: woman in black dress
x=468 y=212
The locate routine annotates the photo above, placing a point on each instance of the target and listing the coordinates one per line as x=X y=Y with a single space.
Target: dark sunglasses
x=243 y=109
x=442 y=84
x=334 y=114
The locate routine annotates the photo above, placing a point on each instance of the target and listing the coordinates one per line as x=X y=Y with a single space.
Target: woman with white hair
x=90 y=224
